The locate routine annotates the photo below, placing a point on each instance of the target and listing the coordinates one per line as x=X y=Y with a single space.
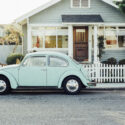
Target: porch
x=79 y=41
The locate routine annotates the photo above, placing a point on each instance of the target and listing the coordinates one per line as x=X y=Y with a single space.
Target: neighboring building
x=73 y=27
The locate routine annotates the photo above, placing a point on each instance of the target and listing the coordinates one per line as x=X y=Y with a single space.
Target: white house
x=73 y=27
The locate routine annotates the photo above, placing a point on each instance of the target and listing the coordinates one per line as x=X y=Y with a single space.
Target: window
x=80 y=3
x=37 y=41
x=50 y=41
x=49 y=37
x=57 y=62
x=35 y=62
x=114 y=37
x=121 y=37
x=62 y=41
x=111 y=38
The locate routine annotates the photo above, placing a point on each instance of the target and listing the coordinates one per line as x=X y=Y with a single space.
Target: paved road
x=89 y=108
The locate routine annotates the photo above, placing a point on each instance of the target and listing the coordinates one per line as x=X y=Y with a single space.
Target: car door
x=56 y=68
x=33 y=71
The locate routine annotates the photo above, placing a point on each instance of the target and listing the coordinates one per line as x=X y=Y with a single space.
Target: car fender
x=12 y=79
x=73 y=73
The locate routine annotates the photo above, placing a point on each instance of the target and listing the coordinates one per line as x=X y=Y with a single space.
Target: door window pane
x=35 y=62
x=80 y=35
x=57 y=62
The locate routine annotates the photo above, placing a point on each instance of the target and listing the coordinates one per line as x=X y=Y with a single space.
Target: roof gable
x=49 y=4
x=37 y=10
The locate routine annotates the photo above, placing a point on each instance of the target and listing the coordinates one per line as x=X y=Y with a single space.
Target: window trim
x=59 y=58
x=80 y=5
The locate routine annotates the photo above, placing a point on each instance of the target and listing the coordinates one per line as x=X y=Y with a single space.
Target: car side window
x=35 y=61
x=57 y=62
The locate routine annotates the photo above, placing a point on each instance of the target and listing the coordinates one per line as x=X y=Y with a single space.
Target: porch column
x=90 y=44
x=95 y=44
x=70 y=41
x=29 y=38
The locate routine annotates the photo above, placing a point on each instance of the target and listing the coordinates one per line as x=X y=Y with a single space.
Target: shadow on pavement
x=61 y=92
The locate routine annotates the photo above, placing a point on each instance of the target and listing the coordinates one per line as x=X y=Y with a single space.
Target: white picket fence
x=103 y=73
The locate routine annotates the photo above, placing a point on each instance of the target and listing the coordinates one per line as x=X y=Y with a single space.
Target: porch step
x=109 y=85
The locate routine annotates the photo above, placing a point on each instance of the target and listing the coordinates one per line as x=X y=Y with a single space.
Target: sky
x=12 y=9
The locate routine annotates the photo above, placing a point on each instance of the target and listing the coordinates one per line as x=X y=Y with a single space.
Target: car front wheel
x=72 y=85
x=4 y=86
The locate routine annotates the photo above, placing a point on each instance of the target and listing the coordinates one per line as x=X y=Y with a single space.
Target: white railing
x=103 y=73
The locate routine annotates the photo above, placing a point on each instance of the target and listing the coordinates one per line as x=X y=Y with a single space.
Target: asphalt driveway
x=91 y=107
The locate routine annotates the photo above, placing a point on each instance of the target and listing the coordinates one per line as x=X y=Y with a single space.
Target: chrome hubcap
x=2 y=86
x=72 y=85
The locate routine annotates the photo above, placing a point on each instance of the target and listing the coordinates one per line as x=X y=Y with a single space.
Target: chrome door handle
x=43 y=69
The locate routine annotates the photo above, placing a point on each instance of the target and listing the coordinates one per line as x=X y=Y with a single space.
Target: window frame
x=80 y=5
x=44 y=36
x=117 y=30
x=48 y=61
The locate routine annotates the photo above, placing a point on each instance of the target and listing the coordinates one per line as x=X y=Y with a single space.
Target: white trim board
x=98 y=24
x=110 y=2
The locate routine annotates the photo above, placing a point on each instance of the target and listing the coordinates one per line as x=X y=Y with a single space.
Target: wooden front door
x=80 y=46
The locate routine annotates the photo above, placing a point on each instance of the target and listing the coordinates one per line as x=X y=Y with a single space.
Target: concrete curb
x=108 y=86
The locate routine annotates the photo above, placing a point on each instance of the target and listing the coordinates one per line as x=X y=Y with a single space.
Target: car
x=45 y=70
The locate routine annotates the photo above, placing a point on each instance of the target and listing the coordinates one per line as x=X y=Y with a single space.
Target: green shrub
x=122 y=62
x=12 y=59
x=105 y=62
x=111 y=61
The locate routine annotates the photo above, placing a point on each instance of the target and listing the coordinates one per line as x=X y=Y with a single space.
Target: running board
x=36 y=87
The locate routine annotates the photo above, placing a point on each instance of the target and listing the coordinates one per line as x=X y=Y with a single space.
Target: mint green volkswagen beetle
x=45 y=70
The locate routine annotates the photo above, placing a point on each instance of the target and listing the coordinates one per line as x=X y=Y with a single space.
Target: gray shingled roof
x=81 y=18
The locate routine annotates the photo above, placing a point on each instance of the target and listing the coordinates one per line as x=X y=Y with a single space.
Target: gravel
x=55 y=108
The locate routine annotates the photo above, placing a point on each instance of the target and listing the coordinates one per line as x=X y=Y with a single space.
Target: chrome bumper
x=92 y=84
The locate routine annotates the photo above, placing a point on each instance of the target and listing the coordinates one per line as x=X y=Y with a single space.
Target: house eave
x=110 y=2
x=83 y=23
x=21 y=19
x=95 y=23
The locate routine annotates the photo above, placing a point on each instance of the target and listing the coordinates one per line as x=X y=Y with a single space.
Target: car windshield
x=75 y=61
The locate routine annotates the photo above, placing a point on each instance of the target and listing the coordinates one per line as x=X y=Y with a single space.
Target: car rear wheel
x=72 y=85
x=4 y=86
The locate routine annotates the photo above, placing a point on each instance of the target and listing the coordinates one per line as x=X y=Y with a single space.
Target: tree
x=121 y=5
x=13 y=35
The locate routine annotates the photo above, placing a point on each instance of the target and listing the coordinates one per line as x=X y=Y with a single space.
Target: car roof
x=48 y=53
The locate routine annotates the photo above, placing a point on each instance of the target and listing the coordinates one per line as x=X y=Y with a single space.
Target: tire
x=68 y=86
x=4 y=86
